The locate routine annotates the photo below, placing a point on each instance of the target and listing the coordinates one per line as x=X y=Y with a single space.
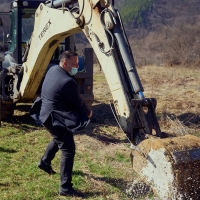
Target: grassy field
x=102 y=169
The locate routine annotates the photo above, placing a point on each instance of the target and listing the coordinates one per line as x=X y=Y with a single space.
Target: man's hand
x=90 y=115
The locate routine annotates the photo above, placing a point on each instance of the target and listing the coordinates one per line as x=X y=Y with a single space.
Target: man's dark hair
x=67 y=55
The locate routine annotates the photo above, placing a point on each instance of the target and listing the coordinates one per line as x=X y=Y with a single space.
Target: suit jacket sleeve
x=72 y=94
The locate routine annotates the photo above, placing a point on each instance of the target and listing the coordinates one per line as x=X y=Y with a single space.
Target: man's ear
x=65 y=63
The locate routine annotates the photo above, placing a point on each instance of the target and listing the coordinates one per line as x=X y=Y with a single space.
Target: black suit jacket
x=60 y=99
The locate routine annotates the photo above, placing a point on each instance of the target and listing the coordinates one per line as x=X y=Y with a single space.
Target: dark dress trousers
x=62 y=111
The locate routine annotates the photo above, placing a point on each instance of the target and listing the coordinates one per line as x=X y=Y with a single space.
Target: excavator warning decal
x=45 y=29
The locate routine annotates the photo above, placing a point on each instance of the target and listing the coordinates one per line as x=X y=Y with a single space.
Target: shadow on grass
x=22 y=120
x=117 y=183
x=7 y=150
x=102 y=115
x=102 y=135
x=190 y=119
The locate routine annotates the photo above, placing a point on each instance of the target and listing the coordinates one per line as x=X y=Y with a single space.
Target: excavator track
x=170 y=165
x=7 y=109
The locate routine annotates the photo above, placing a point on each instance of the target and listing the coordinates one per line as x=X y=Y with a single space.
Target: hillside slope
x=135 y=11
x=152 y=13
x=163 y=31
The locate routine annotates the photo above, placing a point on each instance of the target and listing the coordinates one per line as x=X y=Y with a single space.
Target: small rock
x=138 y=189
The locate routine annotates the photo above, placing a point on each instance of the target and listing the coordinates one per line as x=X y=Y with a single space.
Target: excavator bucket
x=170 y=165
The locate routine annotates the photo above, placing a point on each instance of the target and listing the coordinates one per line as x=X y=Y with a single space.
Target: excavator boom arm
x=101 y=24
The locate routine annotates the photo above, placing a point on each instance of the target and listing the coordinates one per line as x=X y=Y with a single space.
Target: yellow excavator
x=171 y=165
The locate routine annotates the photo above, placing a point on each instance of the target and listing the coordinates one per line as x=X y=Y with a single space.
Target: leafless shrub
x=176 y=127
x=169 y=38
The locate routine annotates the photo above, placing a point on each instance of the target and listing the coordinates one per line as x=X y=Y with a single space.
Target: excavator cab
x=22 y=16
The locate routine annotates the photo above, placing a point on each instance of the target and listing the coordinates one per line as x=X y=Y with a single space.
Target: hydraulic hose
x=112 y=39
x=58 y=3
x=128 y=60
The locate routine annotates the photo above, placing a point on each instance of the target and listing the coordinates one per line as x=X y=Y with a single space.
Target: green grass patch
x=21 y=147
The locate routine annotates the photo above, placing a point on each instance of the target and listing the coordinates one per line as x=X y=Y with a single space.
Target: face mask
x=73 y=71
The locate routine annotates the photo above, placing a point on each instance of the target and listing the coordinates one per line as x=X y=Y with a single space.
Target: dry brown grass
x=177 y=90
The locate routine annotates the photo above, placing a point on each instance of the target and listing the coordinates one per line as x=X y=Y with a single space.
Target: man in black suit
x=62 y=111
